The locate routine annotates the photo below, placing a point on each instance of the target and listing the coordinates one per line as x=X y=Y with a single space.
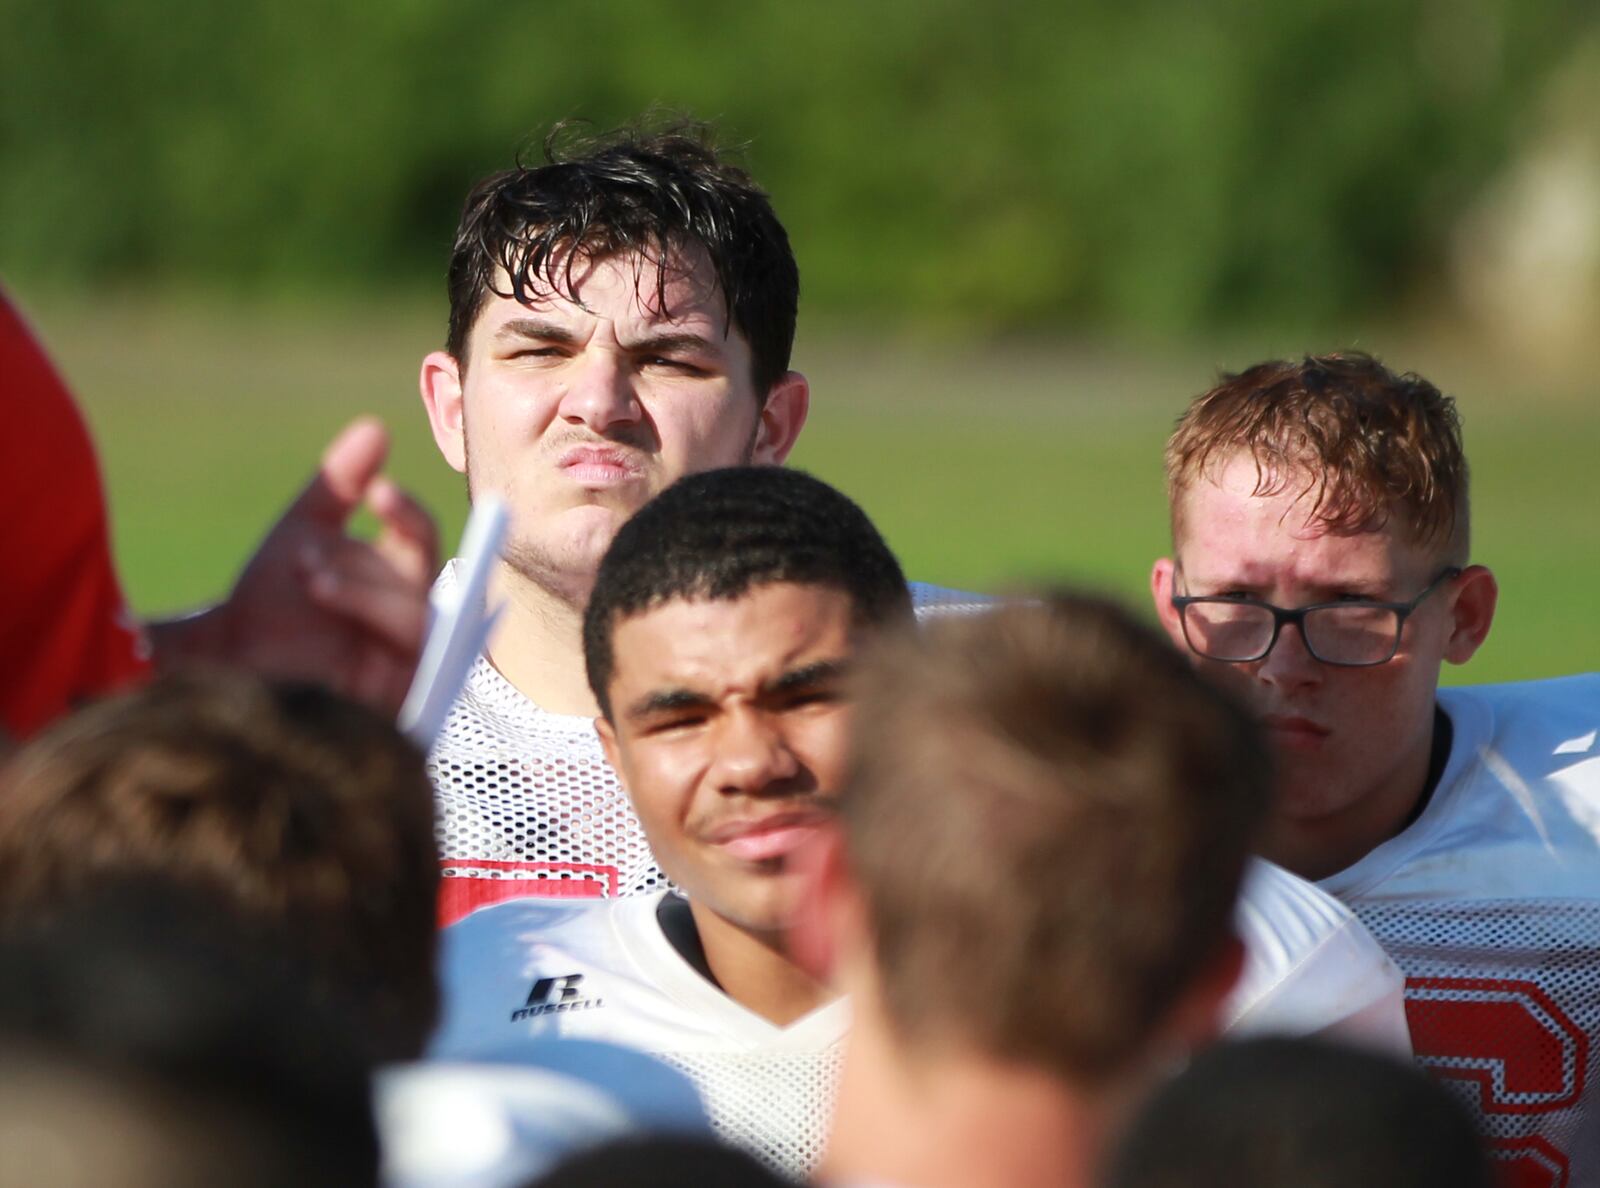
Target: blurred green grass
x=984 y=467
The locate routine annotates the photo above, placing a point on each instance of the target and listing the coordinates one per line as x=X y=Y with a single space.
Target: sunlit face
x=1349 y=742
x=729 y=726
x=577 y=412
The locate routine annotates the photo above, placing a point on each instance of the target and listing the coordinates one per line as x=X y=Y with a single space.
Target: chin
x=1302 y=804
x=764 y=914
x=582 y=537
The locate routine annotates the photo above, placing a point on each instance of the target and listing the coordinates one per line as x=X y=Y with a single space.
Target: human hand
x=314 y=603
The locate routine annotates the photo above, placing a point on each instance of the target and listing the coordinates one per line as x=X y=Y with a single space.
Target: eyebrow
x=1368 y=588
x=672 y=344
x=808 y=674
x=535 y=328
x=664 y=701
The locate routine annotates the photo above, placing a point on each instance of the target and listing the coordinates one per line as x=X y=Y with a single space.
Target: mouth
x=600 y=466
x=767 y=838
x=1295 y=732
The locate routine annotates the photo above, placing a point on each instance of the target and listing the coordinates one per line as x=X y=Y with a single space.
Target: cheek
x=716 y=431
x=824 y=747
x=515 y=412
x=1384 y=702
x=661 y=784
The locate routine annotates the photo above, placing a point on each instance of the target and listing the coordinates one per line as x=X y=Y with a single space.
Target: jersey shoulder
x=1310 y=966
x=522 y=962
x=1527 y=719
x=1516 y=814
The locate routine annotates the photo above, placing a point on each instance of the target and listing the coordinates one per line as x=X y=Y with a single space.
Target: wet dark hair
x=650 y=191
x=720 y=533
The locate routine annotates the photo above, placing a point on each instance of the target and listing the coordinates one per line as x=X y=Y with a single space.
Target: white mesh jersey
x=607 y=972
x=1490 y=903
x=527 y=804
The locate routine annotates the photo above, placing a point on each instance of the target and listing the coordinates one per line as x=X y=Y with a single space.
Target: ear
x=816 y=934
x=782 y=417
x=1196 y=1019
x=1471 y=613
x=1161 y=585
x=440 y=384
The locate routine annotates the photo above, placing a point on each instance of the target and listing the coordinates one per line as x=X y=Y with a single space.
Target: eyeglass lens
x=1355 y=634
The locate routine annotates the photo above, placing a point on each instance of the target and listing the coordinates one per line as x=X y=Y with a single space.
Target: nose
x=600 y=394
x=752 y=754
x=1289 y=665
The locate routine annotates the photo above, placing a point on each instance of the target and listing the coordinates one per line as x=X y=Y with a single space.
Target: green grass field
x=983 y=468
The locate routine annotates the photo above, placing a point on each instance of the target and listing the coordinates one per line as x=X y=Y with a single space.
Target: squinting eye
x=671 y=725
x=805 y=697
x=678 y=365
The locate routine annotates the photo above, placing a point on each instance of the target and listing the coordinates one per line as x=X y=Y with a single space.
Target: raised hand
x=315 y=603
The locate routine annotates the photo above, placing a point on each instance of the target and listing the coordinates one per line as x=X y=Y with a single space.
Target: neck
x=952 y=1119
x=1316 y=847
x=538 y=644
x=755 y=970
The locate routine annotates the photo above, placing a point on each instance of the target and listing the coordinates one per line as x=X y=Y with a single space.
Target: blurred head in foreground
x=1045 y=825
x=661 y=1163
x=146 y=1042
x=1335 y=489
x=1268 y=1113
x=304 y=816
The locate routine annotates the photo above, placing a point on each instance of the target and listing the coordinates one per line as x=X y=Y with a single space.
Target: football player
x=620 y=316
x=1045 y=825
x=723 y=623
x=1321 y=569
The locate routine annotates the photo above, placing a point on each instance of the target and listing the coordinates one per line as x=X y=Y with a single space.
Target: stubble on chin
x=568 y=579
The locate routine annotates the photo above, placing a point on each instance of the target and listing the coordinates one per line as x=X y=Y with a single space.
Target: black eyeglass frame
x=1402 y=611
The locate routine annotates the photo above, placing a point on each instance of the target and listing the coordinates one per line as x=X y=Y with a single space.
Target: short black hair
x=641 y=189
x=719 y=533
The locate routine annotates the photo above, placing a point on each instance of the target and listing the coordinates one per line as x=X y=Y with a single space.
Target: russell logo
x=554 y=996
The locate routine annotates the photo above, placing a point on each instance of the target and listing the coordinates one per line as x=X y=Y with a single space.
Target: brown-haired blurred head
x=303 y=814
x=1047 y=820
x=1369 y=446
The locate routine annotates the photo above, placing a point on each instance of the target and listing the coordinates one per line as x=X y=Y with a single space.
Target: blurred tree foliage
x=1148 y=163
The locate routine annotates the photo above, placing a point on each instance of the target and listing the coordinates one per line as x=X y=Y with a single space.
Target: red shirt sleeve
x=66 y=634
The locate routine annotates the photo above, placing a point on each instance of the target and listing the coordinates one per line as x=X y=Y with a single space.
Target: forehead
x=724 y=644
x=628 y=287
x=1229 y=530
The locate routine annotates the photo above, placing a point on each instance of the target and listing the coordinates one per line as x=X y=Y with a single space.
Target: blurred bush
x=1144 y=165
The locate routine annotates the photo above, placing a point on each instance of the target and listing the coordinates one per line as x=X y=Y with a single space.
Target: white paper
x=459 y=625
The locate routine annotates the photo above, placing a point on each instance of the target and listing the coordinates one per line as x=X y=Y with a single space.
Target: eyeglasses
x=1355 y=633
